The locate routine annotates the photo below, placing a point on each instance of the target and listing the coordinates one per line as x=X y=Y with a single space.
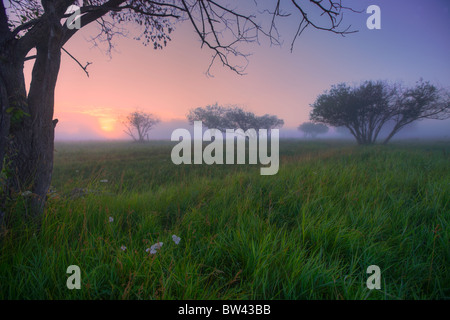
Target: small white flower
x=123 y=248
x=27 y=193
x=157 y=245
x=153 y=249
x=176 y=239
x=111 y=219
x=104 y=180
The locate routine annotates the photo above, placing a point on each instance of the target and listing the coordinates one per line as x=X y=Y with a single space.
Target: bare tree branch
x=81 y=66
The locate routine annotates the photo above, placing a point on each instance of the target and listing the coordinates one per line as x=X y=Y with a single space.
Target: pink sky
x=169 y=82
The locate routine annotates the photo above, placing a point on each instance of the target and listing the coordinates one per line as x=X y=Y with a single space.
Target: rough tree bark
x=29 y=143
x=13 y=100
x=36 y=140
x=4 y=131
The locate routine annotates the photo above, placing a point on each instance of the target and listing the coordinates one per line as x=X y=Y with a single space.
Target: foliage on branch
x=366 y=109
x=222 y=118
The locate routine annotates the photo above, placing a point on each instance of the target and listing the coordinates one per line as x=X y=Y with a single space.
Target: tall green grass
x=308 y=232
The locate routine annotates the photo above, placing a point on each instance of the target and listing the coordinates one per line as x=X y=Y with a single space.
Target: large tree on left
x=27 y=124
x=37 y=30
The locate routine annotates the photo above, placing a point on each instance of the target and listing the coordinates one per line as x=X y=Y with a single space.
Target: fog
x=426 y=129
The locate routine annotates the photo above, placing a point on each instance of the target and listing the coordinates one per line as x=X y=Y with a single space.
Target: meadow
x=308 y=232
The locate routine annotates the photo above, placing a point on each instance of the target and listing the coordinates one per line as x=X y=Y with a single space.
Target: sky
x=413 y=42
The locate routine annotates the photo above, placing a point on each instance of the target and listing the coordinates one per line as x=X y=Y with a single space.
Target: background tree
x=237 y=118
x=138 y=125
x=313 y=129
x=45 y=27
x=362 y=110
x=212 y=116
x=222 y=118
x=269 y=122
x=424 y=101
x=366 y=109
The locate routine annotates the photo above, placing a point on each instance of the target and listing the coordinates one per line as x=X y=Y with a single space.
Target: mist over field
x=426 y=129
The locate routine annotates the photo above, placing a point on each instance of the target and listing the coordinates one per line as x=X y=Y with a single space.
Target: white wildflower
x=27 y=193
x=176 y=239
x=153 y=249
x=104 y=180
x=111 y=219
x=123 y=248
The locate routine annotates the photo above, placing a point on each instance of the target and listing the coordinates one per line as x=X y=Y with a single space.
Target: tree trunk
x=13 y=115
x=33 y=140
x=4 y=119
x=4 y=132
x=389 y=137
